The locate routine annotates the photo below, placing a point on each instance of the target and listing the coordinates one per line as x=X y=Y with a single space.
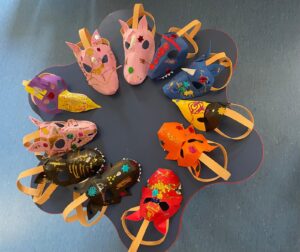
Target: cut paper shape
x=103 y=190
x=59 y=137
x=173 y=50
x=199 y=77
x=160 y=200
x=49 y=93
x=189 y=149
x=97 y=61
x=206 y=116
x=139 y=45
x=66 y=170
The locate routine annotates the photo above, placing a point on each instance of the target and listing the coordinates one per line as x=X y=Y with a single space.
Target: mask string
x=132 y=237
x=248 y=123
x=221 y=171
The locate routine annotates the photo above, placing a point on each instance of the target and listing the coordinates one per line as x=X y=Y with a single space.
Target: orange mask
x=188 y=148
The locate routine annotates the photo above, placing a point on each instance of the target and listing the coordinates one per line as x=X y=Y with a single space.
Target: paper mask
x=160 y=200
x=66 y=170
x=173 y=50
x=139 y=45
x=206 y=116
x=97 y=62
x=59 y=137
x=199 y=78
x=103 y=190
x=189 y=148
x=49 y=93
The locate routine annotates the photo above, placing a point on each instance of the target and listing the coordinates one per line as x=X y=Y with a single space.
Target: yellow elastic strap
x=132 y=237
x=221 y=172
x=28 y=173
x=195 y=25
x=72 y=206
x=138 y=12
x=85 y=37
x=32 y=137
x=224 y=61
x=249 y=123
x=40 y=200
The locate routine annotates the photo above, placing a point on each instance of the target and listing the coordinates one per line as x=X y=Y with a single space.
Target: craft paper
x=139 y=45
x=58 y=170
x=173 y=50
x=199 y=78
x=49 y=93
x=97 y=62
x=59 y=137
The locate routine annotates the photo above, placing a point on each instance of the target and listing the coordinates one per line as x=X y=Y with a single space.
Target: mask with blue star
x=199 y=78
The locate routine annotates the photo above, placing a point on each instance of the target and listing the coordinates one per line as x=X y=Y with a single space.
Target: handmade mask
x=49 y=93
x=66 y=170
x=173 y=50
x=206 y=116
x=103 y=190
x=160 y=200
x=139 y=45
x=189 y=148
x=199 y=78
x=59 y=137
x=97 y=62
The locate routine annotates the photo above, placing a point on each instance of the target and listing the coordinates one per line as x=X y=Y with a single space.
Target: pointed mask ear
x=96 y=38
x=75 y=48
x=215 y=69
x=143 y=24
x=124 y=26
x=35 y=121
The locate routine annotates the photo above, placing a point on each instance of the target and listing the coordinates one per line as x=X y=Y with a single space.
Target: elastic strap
x=224 y=61
x=28 y=173
x=139 y=11
x=249 y=123
x=81 y=214
x=195 y=25
x=133 y=238
x=221 y=172
x=40 y=200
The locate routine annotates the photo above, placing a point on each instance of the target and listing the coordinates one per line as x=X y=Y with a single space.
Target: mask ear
x=143 y=24
x=124 y=26
x=95 y=38
x=215 y=69
x=75 y=48
x=35 y=121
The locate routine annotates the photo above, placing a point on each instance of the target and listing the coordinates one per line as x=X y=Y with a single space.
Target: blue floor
x=262 y=214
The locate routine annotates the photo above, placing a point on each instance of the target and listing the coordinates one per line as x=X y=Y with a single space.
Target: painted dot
x=45 y=145
x=125 y=168
x=51 y=95
x=192 y=149
x=70 y=136
x=80 y=134
x=98 y=49
x=154 y=192
x=92 y=191
x=130 y=70
x=74 y=146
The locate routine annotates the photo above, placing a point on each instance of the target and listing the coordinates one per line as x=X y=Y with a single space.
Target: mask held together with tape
x=139 y=45
x=49 y=93
x=102 y=190
x=189 y=149
x=207 y=116
x=66 y=170
x=97 y=61
x=160 y=200
x=173 y=50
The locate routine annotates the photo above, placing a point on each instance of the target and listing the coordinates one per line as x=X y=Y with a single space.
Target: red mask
x=160 y=200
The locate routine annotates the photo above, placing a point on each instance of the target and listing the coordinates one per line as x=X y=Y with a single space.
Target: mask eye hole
x=145 y=44
x=147 y=200
x=164 y=206
x=105 y=59
x=87 y=68
x=127 y=45
x=172 y=54
x=60 y=143
x=59 y=125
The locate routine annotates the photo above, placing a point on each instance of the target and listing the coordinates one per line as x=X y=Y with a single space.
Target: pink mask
x=59 y=137
x=139 y=46
x=97 y=62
